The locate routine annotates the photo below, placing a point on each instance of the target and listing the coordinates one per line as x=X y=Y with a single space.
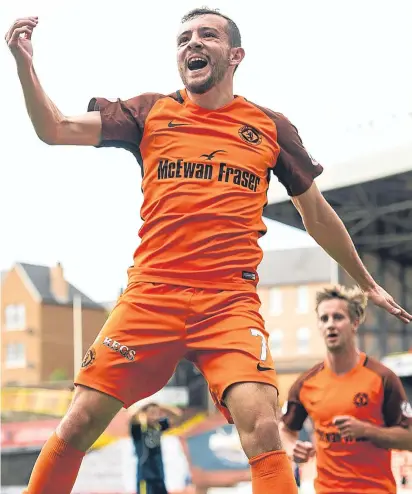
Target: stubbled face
x=203 y=53
x=153 y=415
x=335 y=325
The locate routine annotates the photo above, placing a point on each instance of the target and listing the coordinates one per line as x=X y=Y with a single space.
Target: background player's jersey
x=371 y=393
x=146 y=441
x=205 y=180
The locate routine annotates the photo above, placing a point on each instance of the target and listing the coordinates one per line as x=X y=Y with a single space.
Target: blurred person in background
x=358 y=406
x=146 y=428
x=206 y=157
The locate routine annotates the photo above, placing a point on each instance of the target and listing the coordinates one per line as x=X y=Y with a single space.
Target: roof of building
x=371 y=194
x=295 y=267
x=40 y=278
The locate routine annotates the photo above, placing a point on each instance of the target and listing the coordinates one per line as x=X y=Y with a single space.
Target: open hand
x=380 y=297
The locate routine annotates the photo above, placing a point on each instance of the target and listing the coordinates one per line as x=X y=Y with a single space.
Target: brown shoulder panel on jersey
x=123 y=121
x=295 y=168
x=295 y=414
x=395 y=409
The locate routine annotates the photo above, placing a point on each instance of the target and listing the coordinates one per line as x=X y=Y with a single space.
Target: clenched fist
x=303 y=451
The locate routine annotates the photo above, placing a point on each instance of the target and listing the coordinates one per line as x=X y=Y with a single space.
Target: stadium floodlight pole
x=77 y=334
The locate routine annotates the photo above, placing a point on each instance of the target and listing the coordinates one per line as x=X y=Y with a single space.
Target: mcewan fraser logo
x=184 y=169
x=361 y=399
x=181 y=169
x=250 y=135
x=89 y=358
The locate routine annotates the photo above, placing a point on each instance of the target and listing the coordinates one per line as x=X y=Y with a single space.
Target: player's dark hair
x=232 y=29
x=356 y=299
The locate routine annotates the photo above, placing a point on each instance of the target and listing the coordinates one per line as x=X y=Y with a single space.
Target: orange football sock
x=272 y=474
x=56 y=468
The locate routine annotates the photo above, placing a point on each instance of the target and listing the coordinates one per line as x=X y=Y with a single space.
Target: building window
x=276 y=342
x=15 y=316
x=15 y=355
x=302 y=306
x=275 y=301
x=303 y=340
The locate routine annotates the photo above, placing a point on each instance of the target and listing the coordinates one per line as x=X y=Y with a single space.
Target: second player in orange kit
x=358 y=406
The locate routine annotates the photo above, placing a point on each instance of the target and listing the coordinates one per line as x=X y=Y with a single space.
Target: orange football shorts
x=154 y=325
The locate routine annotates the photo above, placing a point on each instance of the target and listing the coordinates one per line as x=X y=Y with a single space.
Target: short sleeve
x=294 y=413
x=123 y=120
x=295 y=168
x=396 y=408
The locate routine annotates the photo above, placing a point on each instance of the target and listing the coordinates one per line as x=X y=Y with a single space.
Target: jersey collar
x=360 y=364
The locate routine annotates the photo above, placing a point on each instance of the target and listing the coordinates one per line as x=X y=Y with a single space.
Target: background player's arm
x=293 y=418
x=390 y=437
x=51 y=126
x=395 y=437
x=298 y=451
x=397 y=416
x=288 y=437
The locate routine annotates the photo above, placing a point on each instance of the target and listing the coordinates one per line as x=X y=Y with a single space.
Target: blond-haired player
x=358 y=406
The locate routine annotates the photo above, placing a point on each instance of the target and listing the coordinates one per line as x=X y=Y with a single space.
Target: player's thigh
x=233 y=347
x=251 y=404
x=135 y=353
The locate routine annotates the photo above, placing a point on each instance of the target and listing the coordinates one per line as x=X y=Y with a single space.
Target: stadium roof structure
x=373 y=196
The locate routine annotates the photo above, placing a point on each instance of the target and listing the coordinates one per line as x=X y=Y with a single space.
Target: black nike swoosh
x=261 y=367
x=171 y=124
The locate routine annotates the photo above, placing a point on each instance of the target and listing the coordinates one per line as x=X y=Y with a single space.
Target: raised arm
x=327 y=229
x=51 y=126
x=296 y=170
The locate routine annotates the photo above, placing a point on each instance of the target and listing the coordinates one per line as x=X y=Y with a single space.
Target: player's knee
x=266 y=431
x=260 y=437
x=253 y=407
x=78 y=426
x=88 y=416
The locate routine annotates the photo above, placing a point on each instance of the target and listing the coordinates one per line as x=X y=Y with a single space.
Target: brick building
x=289 y=280
x=37 y=324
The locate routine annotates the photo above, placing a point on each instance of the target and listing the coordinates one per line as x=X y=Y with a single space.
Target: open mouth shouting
x=197 y=63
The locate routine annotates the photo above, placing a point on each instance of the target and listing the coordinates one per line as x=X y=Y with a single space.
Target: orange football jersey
x=371 y=393
x=205 y=179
